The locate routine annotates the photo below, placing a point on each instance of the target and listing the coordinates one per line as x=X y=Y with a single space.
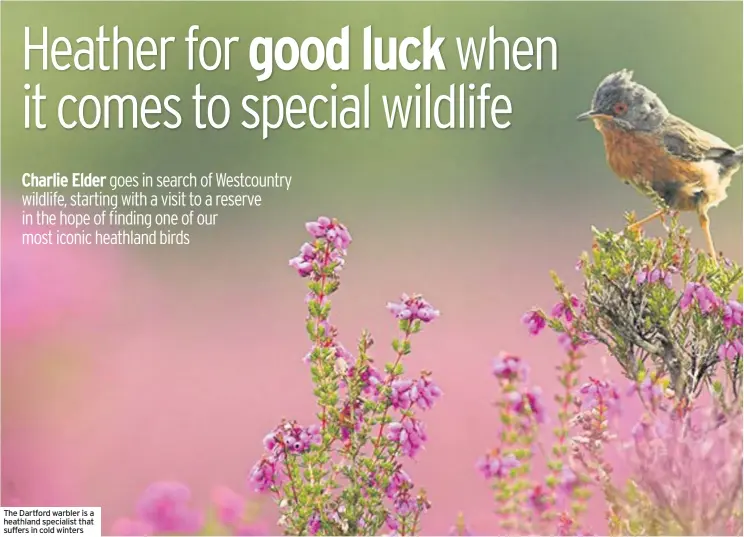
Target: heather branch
x=345 y=476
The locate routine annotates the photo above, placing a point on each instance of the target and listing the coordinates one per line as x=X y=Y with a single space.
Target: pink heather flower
x=289 y=436
x=422 y=392
x=730 y=350
x=314 y=258
x=567 y=308
x=534 y=321
x=331 y=230
x=413 y=308
x=391 y=522
x=165 y=506
x=370 y=378
x=491 y=465
x=701 y=294
x=404 y=504
x=400 y=393
x=409 y=434
x=732 y=314
x=399 y=482
x=597 y=391
x=538 y=499
x=229 y=506
x=265 y=474
x=651 y=276
x=528 y=403
x=303 y=263
x=313 y=524
x=642 y=276
x=509 y=367
x=571 y=342
x=133 y=527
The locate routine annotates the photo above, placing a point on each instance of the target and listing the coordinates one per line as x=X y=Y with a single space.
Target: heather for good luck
x=345 y=475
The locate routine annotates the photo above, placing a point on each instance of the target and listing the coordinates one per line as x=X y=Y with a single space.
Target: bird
x=661 y=154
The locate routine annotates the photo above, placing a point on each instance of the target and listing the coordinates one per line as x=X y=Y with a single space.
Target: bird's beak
x=591 y=114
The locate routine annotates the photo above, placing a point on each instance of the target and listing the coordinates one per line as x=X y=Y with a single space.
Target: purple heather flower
x=331 y=230
x=265 y=474
x=409 y=434
x=413 y=308
x=655 y=275
x=596 y=391
x=491 y=465
x=165 y=507
x=313 y=524
x=303 y=263
x=538 y=499
x=404 y=504
x=566 y=309
x=291 y=437
x=732 y=314
x=642 y=276
x=701 y=294
x=571 y=342
x=399 y=482
x=730 y=350
x=422 y=392
x=391 y=522
x=400 y=393
x=371 y=379
x=509 y=367
x=534 y=321
x=528 y=403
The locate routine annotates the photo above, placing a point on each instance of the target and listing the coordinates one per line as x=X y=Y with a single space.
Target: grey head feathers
x=628 y=103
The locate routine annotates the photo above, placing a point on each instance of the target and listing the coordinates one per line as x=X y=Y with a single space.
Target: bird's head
x=626 y=103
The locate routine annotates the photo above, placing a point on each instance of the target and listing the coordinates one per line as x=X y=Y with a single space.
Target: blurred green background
x=473 y=219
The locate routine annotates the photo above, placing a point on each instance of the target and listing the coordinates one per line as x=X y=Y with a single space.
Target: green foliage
x=636 y=307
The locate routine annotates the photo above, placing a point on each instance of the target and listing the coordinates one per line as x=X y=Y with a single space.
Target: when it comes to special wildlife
x=658 y=152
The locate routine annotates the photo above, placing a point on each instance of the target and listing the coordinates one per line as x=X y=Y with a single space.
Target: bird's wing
x=687 y=142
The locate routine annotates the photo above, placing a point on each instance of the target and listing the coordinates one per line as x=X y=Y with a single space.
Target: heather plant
x=344 y=475
x=668 y=317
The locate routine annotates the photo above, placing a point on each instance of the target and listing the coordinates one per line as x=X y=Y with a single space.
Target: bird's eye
x=620 y=108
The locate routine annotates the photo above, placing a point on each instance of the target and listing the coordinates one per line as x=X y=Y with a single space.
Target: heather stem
x=389 y=380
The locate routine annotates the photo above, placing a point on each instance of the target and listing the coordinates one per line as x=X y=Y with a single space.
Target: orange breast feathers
x=641 y=157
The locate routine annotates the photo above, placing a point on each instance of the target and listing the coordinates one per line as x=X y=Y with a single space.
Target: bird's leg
x=637 y=225
x=705 y=224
